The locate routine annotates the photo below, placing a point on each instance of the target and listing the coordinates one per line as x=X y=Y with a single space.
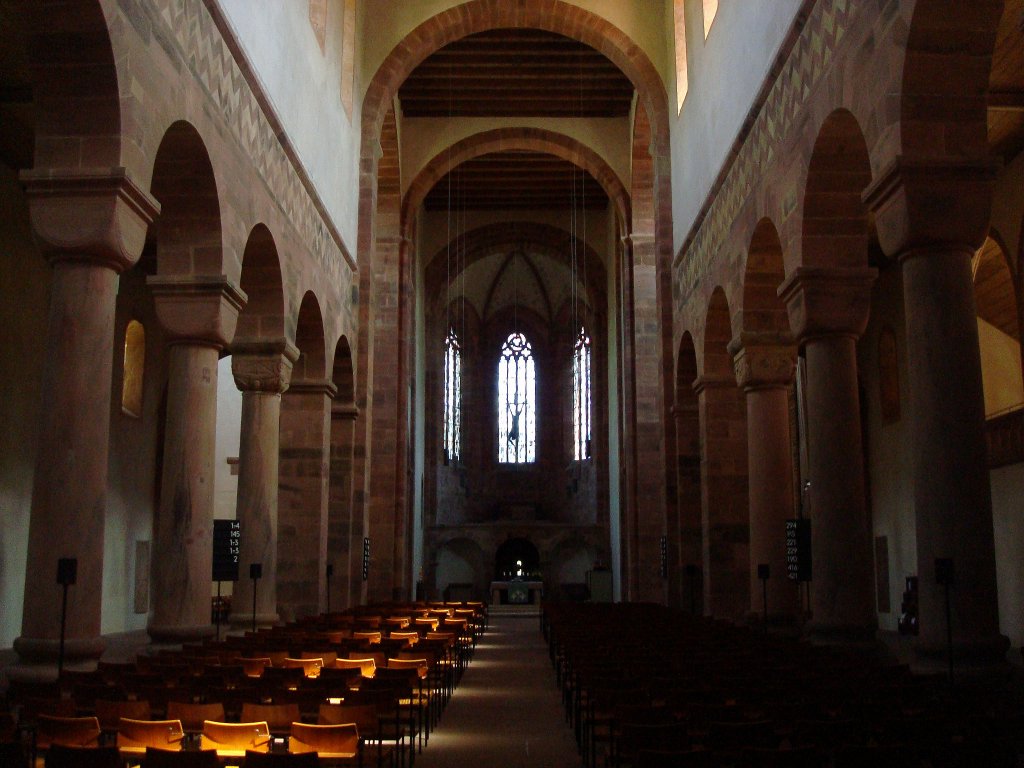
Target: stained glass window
x=581 y=396
x=452 y=396
x=517 y=418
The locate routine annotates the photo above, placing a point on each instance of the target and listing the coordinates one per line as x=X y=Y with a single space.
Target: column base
x=976 y=654
x=173 y=635
x=850 y=636
x=244 y=620
x=35 y=650
x=38 y=658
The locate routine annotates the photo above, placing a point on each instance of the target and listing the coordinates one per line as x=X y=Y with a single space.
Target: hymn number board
x=227 y=538
x=798 y=550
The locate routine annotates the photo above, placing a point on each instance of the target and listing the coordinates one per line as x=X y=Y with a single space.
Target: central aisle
x=507 y=711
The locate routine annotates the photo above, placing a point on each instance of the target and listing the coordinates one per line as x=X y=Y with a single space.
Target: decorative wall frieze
x=201 y=33
x=771 y=121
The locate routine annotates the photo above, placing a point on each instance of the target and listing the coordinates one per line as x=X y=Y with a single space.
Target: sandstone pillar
x=933 y=215
x=724 y=509
x=199 y=316
x=262 y=371
x=828 y=310
x=302 y=517
x=764 y=369
x=91 y=227
x=344 y=536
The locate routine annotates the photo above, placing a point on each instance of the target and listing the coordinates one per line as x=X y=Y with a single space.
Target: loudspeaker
x=67 y=571
x=763 y=571
x=330 y=570
x=944 y=571
x=255 y=570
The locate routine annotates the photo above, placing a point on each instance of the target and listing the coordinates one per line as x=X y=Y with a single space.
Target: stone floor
x=507 y=711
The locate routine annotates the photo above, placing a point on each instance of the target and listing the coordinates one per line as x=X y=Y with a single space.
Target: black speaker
x=255 y=570
x=944 y=571
x=330 y=570
x=67 y=571
x=763 y=571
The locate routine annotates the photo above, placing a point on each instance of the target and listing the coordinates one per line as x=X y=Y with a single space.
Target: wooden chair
x=367 y=722
x=163 y=758
x=328 y=657
x=335 y=744
x=62 y=756
x=279 y=717
x=135 y=736
x=192 y=716
x=309 y=667
x=67 y=732
x=373 y=636
x=367 y=666
x=282 y=760
x=253 y=666
x=110 y=712
x=233 y=739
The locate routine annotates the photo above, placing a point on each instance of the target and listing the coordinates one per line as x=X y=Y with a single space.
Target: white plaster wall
x=1008 y=522
x=425 y=137
x=725 y=73
x=1000 y=369
x=304 y=86
x=24 y=297
x=890 y=448
x=229 y=425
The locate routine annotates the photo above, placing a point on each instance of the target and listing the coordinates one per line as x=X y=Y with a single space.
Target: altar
x=516 y=592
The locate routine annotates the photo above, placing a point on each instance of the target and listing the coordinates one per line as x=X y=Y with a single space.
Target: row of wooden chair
x=646 y=686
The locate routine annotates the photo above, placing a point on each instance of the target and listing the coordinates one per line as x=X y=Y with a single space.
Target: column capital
x=763 y=361
x=324 y=387
x=263 y=365
x=344 y=411
x=925 y=201
x=97 y=215
x=828 y=301
x=197 y=309
x=707 y=382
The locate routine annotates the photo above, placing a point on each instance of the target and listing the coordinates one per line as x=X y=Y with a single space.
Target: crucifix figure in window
x=516 y=418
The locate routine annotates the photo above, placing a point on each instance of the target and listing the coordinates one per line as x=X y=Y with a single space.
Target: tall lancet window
x=517 y=417
x=452 y=396
x=581 y=396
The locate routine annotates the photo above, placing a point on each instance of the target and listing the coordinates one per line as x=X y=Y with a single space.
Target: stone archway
x=516 y=557
x=380 y=226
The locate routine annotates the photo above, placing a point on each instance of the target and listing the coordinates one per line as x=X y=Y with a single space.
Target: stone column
x=828 y=311
x=344 y=536
x=764 y=369
x=724 y=509
x=302 y=535
x=688 y=501
x=198 y=314
x=933 y=216
x=262 y=371
x=91 y=227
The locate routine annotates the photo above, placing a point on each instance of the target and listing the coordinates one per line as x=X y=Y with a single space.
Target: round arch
x=762 y=309
x=263 y=315
x=516 y=138
x=309 y=338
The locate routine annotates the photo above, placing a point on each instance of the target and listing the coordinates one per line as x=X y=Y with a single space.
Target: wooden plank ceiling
x=1006 y=85
x=516 y=73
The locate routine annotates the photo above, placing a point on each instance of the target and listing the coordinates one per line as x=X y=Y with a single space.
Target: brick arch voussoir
x=503 y=139
x=759 y=308
x=480 y=15
x=80 y=126
x=944 y=79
